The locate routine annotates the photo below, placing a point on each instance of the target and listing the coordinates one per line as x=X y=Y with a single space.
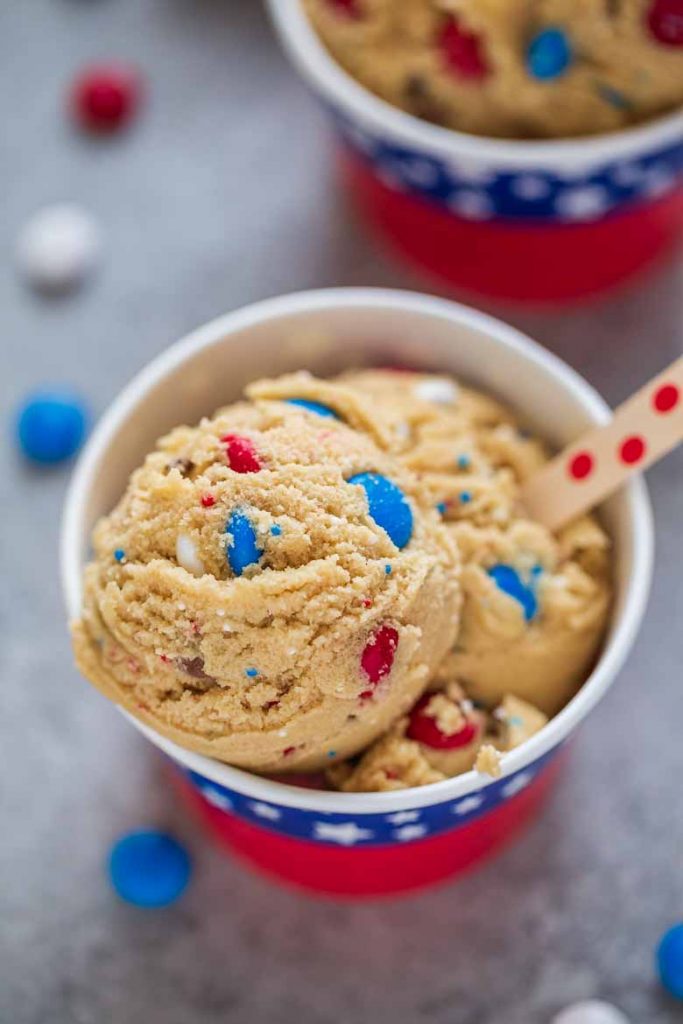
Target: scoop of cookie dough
x=535 y=605
x=273 y=589
x=444 y=735
x=511 y=68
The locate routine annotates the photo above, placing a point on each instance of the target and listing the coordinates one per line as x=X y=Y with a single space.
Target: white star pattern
x=420 y=172
x=409 y=832
x=403 y=817
x=530 y=186
x=517 y=784
x=266 y=811
x=346 y=834
x=587 y=203
x=626 y=175
x=471 y=204
x=217 y=799
x=658 y=181
x=475 y=174
x=470 y=803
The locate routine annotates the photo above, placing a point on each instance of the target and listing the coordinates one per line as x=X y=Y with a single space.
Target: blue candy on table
x=387 y=505
x=670 y=961
x=511 y=583
x=549 y=54
x=317 y=407
x=149 y=868
x=242 y=547
x=51 y=426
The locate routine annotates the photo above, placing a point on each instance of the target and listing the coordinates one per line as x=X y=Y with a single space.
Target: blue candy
x=242 y=548
x=670 y=961
x=510 y=582
x=149 y=869
x=549 y=54
x=387 y=505
x=51 y=426
x=316 y=407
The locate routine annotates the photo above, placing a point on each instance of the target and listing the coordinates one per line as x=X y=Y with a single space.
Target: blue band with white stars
x=479 y=192
x=336 y=829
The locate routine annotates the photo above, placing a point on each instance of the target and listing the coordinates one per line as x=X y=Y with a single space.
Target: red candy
x=241 y=454
x=105 y=97
x=349 y=8
x=462 y=51
x=423 y=728
x=665 y=21
x=208 y=500
x=378 y=656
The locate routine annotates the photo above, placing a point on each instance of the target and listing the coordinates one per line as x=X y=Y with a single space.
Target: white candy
x=592 y=1011
x=439 y=390
x=58 y=246
x=187 y=555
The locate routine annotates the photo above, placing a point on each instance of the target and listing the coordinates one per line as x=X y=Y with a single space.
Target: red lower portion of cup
x=533 y=263
x=362 y=872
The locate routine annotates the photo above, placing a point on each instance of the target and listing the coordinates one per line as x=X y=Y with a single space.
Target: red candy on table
x=378 y=656
x=241 y=454
x=665 y=21
x=423 y=728
x=105 y=97
x=462 y=51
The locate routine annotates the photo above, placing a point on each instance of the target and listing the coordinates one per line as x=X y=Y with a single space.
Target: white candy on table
x=58 y=247
x=591 y=1011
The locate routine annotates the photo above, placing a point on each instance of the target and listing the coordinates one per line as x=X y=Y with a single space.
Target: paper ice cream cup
x=368 y=843
x=532 y=221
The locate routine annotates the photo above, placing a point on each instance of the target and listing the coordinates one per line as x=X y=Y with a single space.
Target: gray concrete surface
x=221 y=195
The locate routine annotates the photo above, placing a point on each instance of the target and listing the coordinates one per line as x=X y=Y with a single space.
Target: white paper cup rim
x=558 y=729
x=328 y=78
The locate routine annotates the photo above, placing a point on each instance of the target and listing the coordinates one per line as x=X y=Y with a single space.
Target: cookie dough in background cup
x=532 y=221
x=364 y=844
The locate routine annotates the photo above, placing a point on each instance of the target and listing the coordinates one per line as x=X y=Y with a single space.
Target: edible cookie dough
x=535 y=605
x=274 y=589
x=512 y=68
x=444 y=735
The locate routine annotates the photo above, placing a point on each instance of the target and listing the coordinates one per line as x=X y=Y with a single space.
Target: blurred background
x=222 y=192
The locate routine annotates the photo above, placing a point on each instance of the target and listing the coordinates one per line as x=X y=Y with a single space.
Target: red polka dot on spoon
x=666 y=398
x=581 y=465
x=632 y=449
